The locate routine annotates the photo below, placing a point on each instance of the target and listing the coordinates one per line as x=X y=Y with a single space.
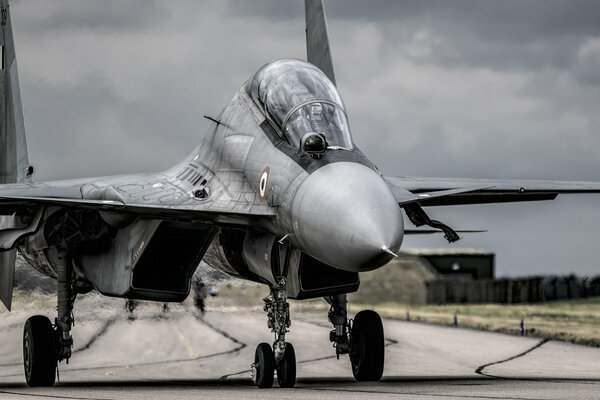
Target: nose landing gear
x=362 y=339
x=281 y=357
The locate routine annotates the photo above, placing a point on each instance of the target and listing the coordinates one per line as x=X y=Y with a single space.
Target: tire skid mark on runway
x=223 y=333
x=143 y=364
x=101 y=332
x=90 y=342
x=53 y=396
x=227 y=376
x=240 y=346
x=420 y=394
x=480 y=369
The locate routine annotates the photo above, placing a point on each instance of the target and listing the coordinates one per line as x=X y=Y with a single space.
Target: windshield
x=319 y=117
x=299 y=98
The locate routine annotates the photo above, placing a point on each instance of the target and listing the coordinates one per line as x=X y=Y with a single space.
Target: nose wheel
x=286 y=369
x=280 y=357
x=264 y=366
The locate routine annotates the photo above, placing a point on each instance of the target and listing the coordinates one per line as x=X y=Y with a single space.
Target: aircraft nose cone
x=344 y=215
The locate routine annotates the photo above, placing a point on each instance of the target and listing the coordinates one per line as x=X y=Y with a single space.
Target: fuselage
x=281 y=147
x=331 y=203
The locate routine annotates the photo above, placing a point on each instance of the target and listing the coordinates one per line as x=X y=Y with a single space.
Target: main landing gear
x=361 y=338
x=44 y=344
x=280 y=357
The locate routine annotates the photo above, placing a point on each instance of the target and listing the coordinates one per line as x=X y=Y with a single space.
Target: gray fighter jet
x=276 y=193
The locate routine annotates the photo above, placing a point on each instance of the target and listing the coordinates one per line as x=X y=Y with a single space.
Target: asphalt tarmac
x=182 y=354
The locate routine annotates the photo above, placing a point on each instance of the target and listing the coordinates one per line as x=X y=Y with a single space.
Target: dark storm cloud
x=509 y=19
x=507 y=34
x=105 y=15
x=112 y=129
x=503 y=89
x=505 y=20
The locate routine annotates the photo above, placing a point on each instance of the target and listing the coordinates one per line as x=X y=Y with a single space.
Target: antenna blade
x=317 y=38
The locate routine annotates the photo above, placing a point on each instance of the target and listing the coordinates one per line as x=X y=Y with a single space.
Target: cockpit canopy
x=298 y=98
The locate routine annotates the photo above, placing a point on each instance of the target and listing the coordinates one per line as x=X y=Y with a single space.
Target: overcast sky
x=503 y=89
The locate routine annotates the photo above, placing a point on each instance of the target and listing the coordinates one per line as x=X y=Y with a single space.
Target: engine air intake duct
x=154 y=260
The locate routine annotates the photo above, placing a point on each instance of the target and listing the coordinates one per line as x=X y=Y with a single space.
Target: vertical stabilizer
x=317 y=38
x=14 y=158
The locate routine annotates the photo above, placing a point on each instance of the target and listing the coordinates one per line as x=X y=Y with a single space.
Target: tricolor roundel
x=262 y=183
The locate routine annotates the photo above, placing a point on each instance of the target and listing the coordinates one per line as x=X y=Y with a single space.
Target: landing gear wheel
x=264 y=366
x=367 y=347
x=39 y=357
x=286 y=370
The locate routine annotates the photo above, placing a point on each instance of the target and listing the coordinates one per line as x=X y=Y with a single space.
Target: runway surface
x=182 y=354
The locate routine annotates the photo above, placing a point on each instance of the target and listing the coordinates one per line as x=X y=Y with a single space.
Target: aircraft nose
x=345 y=215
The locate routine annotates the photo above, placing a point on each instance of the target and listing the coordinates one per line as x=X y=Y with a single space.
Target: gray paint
x=344 y=213
x=111 y=273
x=15 y=159
x=318 y=50
x=314 y=209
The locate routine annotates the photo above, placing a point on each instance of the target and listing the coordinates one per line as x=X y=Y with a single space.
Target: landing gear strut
x=65 y=301
x=281 y=357
x=361 y=338
x=44 y=345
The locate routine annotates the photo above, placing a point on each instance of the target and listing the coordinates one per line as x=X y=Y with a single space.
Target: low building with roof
x=457 y=264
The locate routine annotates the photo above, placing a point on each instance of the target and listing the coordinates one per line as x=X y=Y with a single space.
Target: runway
x=182 y=354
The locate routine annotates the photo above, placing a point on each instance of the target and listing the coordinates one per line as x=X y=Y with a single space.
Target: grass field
x=576 y=321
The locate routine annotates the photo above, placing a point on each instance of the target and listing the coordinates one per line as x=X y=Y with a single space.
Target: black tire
x=264 y=362
x=367 y=346
x=286 y=370
x=39 y=357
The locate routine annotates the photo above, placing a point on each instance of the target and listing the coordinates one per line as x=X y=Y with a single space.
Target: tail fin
x=317 y=38
x=14 y=158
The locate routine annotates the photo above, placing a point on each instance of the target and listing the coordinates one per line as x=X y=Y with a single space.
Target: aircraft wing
x=155 y=197
x=9 y=204
x=447 y=191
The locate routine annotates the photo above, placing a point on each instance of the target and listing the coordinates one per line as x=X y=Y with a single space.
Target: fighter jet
x=276 y=193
